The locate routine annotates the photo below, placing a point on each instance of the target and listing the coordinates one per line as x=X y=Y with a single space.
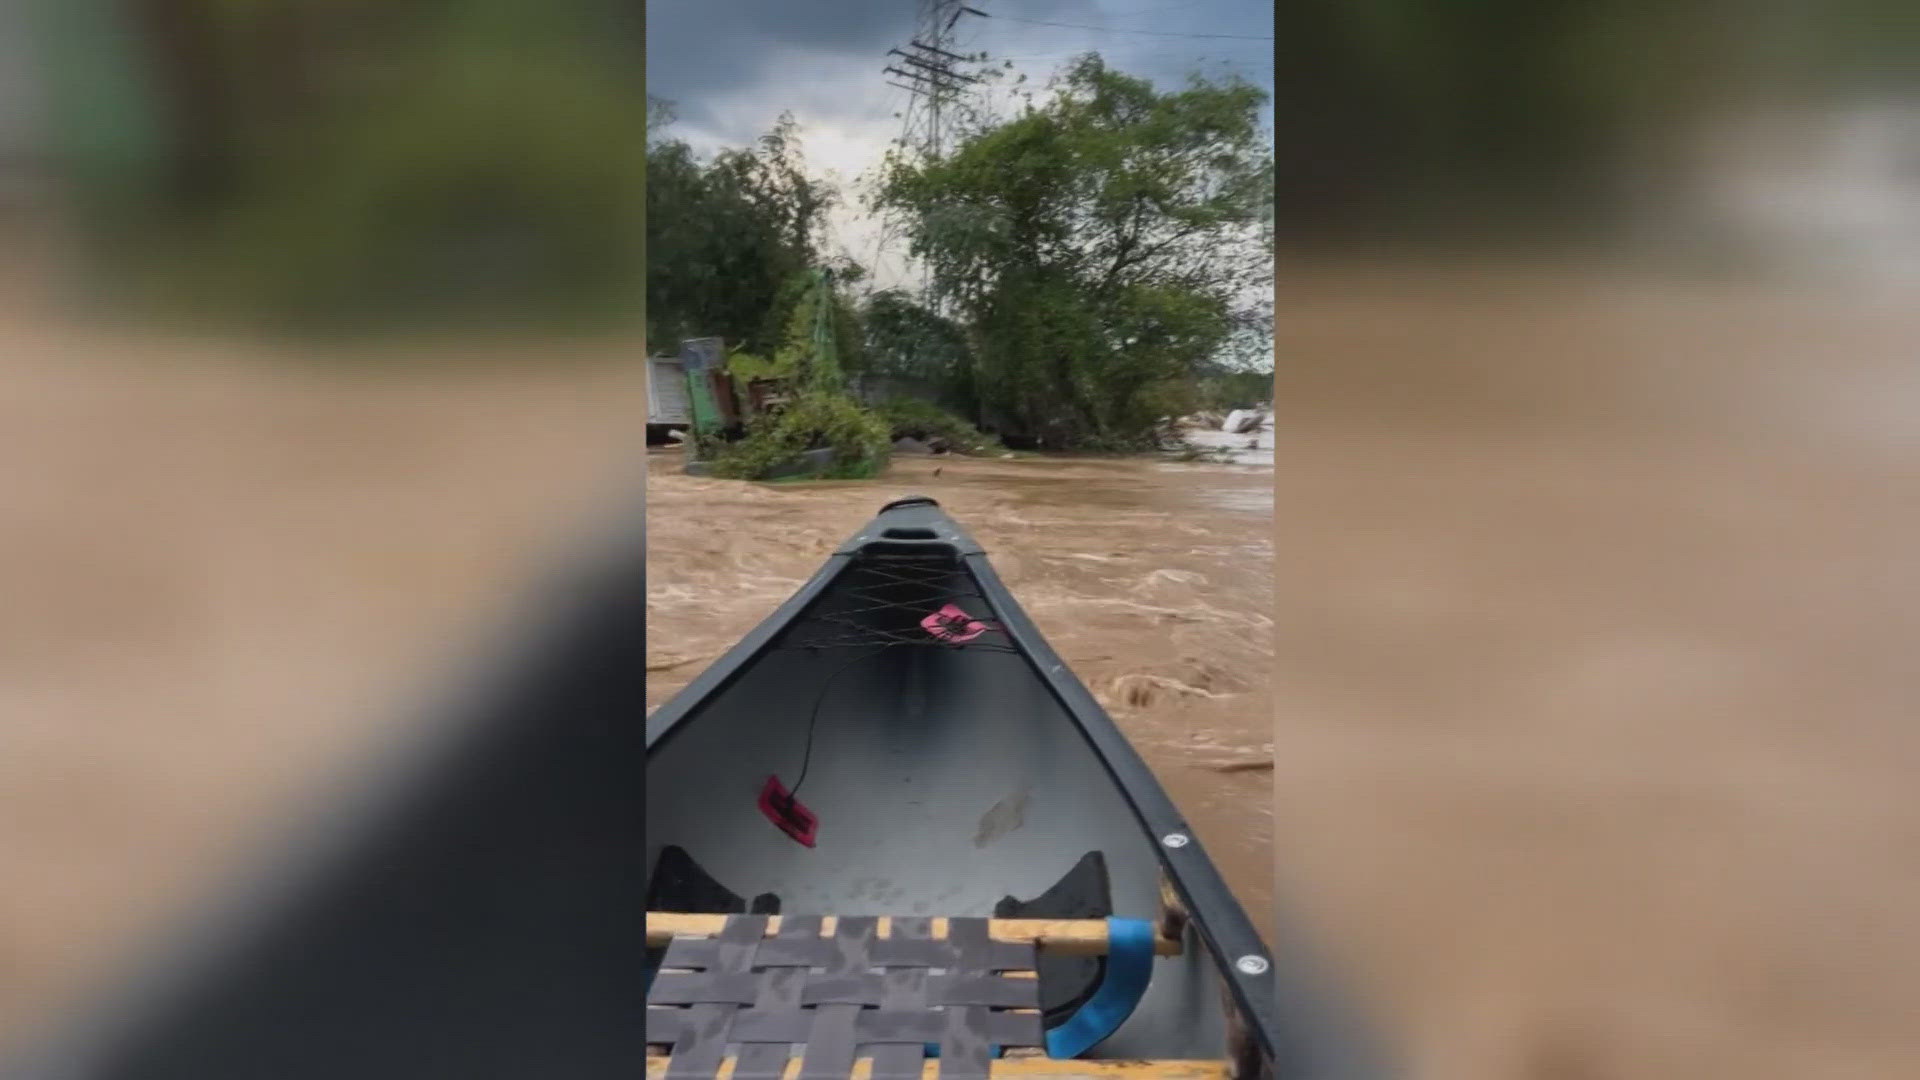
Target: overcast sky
x=732 y=66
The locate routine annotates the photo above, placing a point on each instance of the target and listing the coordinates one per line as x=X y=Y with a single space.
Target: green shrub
x=909 y=418
x=745 y=367
x=812 y=421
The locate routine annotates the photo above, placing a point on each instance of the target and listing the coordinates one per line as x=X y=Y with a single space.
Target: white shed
x=667 y=398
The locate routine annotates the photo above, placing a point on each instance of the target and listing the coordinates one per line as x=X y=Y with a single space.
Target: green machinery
x=700 y=358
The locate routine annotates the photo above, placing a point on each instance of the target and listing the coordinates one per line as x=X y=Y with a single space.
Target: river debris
x=1240 y=765
x=670 y=663
x=1215 y=455
x=1242 y=421
x=1236 y=422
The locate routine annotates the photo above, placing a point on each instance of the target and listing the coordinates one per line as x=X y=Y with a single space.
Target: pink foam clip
x=953 y=625
x=786 y=813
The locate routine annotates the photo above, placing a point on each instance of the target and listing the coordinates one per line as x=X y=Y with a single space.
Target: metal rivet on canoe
x=1251 y=965
x=1175 y=840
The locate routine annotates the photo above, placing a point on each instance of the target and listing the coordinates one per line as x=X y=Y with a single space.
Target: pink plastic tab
x=953 y=625
x=786 y=813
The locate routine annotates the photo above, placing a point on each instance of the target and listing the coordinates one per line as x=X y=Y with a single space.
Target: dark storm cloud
x=700 y=52
x=700 y=49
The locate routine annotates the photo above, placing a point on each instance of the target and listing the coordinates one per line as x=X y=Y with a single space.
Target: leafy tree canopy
x=1102 y=247
x=726 y=237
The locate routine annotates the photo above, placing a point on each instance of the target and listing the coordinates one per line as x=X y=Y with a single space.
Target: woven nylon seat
x=832 y=999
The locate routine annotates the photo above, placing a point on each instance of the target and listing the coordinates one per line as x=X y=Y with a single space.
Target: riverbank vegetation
x=1096 y=258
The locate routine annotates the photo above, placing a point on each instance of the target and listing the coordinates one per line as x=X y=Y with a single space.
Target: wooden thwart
x=1020 y=1069
x=1073 y=937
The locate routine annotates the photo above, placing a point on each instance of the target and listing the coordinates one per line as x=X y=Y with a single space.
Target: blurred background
x=319 y=330
x=1596 y=443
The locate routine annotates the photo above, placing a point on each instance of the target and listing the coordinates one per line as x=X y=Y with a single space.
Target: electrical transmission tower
x=924 y=68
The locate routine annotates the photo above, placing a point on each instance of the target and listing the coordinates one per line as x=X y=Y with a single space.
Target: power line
x=1250 y=49
x=1253 y=61
x=1141 y=12
x=1118 y=30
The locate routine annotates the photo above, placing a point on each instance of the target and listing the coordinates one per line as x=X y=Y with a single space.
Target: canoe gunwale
x=663 y=721
x=1215 y=914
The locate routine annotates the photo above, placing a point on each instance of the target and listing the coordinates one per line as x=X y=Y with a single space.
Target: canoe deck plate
x=832 y=999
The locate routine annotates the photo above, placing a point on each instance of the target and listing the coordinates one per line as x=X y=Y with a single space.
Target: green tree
x=727 y=238
x=1102 y=248
x=1229 y=389
x=909 y=343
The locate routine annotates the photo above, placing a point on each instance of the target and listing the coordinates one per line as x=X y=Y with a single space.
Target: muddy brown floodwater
x=225 y=576
x=1153 y=580
x=1598 y=698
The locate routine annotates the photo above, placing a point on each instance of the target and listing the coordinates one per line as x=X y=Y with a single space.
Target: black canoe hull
x=945 y=778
